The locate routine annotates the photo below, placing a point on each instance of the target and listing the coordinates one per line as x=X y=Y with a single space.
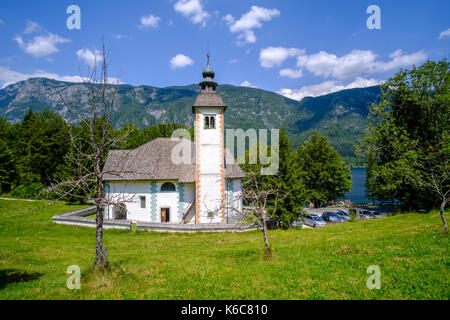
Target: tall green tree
x=39 y=146
x=406 y=141
x=288 y=181
x=8 y=169
x=325 y=174
x=286 y=187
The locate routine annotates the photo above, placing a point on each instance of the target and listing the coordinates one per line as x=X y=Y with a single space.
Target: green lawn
x=328 y=263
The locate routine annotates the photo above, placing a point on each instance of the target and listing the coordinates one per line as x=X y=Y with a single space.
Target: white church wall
x=128 y=194
x=167 y=199
x=209 y=159
x=233 y=198
x=210 y=198
x=189 y=196
x=237 y=194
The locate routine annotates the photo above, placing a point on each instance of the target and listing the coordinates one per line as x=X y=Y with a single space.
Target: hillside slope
x=341 y=115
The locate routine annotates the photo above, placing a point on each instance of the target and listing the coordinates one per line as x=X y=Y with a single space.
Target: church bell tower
x=209 y=151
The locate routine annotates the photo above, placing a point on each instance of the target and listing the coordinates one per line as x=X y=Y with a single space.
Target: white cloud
x=192 y=10
x=326 y=87
x=274 y=56
x=291 y=73
x=249 y=21
x=8 y=76
x=355 y=63
x=228 y=19
x=399 y=60
x=31 y=27
x=89 y=57
x=445 y=33
x=149 y=21
x=347 y=66
x=42 y=45
x=1 y=22
x=246 y=83
x=180 y=61
x=121 y=36
x=233 y=61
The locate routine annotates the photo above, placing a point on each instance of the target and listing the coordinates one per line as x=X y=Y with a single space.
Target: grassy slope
x=327 y=263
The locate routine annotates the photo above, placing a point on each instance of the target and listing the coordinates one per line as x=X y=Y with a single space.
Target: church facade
x=145 y=184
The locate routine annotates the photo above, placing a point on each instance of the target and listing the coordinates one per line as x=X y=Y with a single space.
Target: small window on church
x=210 y=122
x=142 y=201
x=168 y=186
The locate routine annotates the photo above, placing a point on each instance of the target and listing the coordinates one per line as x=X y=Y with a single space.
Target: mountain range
x=341 y=115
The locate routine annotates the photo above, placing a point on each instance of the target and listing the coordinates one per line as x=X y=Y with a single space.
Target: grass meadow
x=329 y=263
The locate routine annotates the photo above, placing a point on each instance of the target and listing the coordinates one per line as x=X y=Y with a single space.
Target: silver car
x=364 y=215
x=314 y=221
x=376 y=214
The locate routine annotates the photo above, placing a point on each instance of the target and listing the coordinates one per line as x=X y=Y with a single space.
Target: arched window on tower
x=210 y=122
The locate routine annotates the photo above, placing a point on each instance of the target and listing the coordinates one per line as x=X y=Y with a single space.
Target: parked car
x=364 y=215
x=314 y=221
x=343 y=216
x=331 y=217
x=296 y=223
x=343 y=212
x=272 y=224
x=376 y=214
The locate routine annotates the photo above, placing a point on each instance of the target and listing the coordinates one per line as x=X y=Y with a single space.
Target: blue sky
x=297 y=48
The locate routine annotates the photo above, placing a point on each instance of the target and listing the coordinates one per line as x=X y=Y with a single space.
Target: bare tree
x=262 y=200
x=89 y=148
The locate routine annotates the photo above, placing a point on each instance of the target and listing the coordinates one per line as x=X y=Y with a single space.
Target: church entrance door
x=165 y=214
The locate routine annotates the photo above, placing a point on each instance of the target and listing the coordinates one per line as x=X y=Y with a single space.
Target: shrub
x=28 y=191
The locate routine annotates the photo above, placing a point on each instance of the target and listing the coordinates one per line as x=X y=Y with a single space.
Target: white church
x=149 y=187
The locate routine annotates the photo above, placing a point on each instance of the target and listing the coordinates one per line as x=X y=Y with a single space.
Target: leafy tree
x=288 y=181
x=324 y=173
x=7 y=167
x=39 y=146
x=406 y=142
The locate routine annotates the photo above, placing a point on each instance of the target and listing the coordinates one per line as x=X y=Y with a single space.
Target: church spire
x=208 y=76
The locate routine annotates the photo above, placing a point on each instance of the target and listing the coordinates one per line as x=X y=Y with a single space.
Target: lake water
x=358 y=193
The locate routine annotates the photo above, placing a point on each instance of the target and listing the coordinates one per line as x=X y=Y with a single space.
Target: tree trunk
x=443 y=218
x=100 y=259
x=266 y=239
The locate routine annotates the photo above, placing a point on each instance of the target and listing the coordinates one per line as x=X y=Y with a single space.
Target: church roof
x=152 y=161
x=209 y=99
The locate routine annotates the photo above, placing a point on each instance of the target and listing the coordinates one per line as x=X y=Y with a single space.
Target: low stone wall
x=202 y=227
x=78 y=218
